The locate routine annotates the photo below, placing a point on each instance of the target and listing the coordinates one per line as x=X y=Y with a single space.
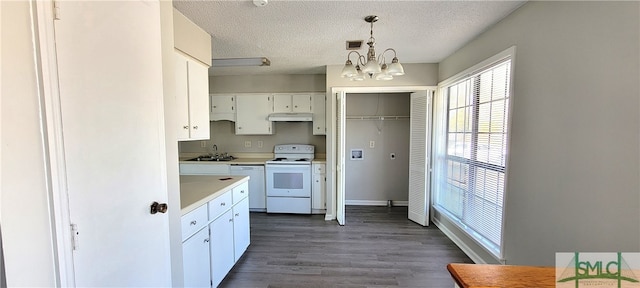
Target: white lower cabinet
x=222 y=258
x=195 y=253
x=241 y=228
x=318 y=189
x=209 y=254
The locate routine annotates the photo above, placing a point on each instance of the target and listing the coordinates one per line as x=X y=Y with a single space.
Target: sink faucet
x=215 y=150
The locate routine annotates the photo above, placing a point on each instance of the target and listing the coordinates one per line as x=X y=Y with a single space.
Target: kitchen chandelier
x=374 y=68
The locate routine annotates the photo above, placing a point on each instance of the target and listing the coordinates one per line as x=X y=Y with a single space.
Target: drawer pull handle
x=194 y=222
x=237 y=214
x=231 y=220
x=223 y=204
x=206 y=240
x=241 y=191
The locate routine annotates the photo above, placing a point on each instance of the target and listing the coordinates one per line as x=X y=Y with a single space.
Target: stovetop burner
x=289 y=153
x=282 y=159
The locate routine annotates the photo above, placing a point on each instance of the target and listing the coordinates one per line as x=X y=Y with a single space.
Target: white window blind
x=471 y=162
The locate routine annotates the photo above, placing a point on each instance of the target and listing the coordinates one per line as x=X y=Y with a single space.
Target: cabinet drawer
x=319 y=168
x=219 y=205
x=240 y=192
x=204 y=169
x=193 y=221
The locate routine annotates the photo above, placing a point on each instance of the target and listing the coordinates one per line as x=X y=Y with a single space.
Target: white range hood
x=291 y=117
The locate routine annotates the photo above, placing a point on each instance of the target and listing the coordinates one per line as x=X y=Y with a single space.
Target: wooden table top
x=485 y=276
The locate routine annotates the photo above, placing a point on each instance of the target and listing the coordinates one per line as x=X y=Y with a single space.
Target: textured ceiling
x=301 y=37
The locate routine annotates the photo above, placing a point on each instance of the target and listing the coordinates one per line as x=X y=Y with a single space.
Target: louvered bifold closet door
x=340 y=147
x=419 y=150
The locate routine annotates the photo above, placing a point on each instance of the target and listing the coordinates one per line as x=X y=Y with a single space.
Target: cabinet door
x=318 y=192
x=285 y=103
x=198 y=100
x=204 y=168
x=241 y=229
x=301 y=103
x=319 y=117
x=222 y=259
x=182 y=97
x=196 y=263
x=281 y=103
x=251 y=115
x=192 y=99
x=223 y=107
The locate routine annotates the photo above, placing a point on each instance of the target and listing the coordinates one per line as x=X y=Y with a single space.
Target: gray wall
x=377 y=178
x=27 y=238
x=573 y=179
x=415 y=75
x=267 y=83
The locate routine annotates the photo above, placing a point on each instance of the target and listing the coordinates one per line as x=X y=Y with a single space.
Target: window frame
x=440 y=153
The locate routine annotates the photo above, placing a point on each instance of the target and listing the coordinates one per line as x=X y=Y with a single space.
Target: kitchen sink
x=212 y=158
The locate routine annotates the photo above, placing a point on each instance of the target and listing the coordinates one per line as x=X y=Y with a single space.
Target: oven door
x=288 y=180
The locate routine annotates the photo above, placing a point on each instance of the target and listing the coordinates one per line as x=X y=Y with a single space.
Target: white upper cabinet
x=319 y=102
x=191 y=39
x=193 y=58
x=223 y=107
x=192 y=98
x=286 y=103
x=251 y=114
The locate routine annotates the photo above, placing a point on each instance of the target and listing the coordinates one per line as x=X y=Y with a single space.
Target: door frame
x=332 y=145
x=62 y=241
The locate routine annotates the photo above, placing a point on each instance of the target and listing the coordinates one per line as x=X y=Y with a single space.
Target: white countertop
x=197 y=190
x=240 y=161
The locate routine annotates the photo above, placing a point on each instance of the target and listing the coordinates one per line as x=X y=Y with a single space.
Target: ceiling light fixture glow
x=230 y=62
x=374 y=68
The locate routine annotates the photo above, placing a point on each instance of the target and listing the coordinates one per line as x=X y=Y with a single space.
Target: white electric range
x=288 y=179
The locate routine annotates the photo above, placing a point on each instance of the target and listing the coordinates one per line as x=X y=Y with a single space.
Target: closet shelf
x=379 y=117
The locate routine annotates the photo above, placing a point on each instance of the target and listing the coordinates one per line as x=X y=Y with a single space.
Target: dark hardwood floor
x=378 y=247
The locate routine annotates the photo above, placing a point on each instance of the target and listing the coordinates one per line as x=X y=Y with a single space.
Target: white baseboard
x=329 y=217
x=375 y=203
x=461 y=244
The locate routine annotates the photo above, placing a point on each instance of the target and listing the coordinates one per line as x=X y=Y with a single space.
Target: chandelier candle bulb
x=375 y=68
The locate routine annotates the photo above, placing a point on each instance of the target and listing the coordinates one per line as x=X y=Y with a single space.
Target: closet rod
x=376 y=117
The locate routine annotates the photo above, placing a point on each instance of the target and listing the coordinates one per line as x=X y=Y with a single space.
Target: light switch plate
x=203 y=144
x=260 y=144
x=247 y=144
x=372 y=144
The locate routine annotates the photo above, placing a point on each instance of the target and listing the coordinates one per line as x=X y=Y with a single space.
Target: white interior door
x=419 y=153
x=340 y=155
x=110 y=77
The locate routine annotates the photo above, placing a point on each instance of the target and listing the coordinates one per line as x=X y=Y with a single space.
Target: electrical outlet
x=372 y=144
x=203 y=144
x=247 y=144
x=392 y=156
x=260 y=144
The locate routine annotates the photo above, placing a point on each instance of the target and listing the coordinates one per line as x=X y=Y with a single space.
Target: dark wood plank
x=378 y=247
